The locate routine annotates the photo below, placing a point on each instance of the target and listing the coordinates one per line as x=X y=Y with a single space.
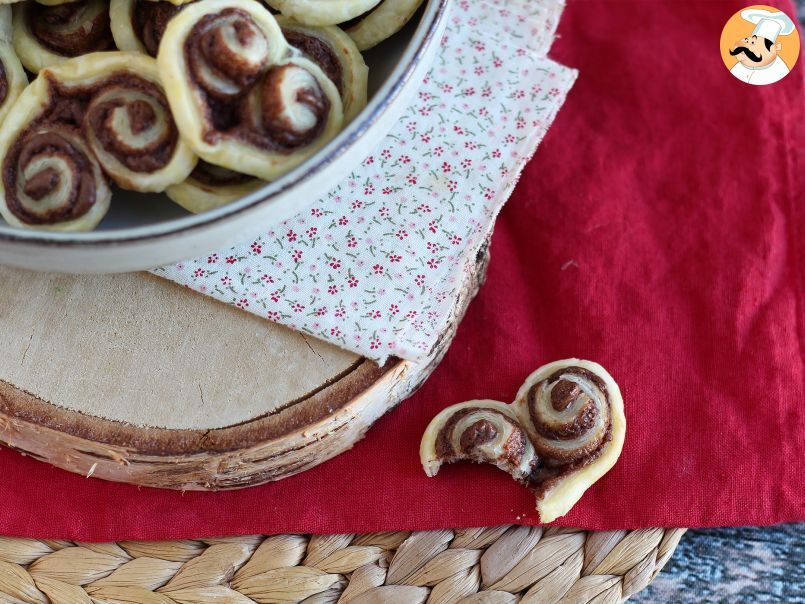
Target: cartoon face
x=755 y=51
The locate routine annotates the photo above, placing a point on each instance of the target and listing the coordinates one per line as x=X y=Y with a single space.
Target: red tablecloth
x=659 y=231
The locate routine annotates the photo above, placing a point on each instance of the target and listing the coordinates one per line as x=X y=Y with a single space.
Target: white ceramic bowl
x=144 y=231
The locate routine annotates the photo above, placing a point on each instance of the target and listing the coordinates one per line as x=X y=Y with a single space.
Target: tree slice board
x=132 y=378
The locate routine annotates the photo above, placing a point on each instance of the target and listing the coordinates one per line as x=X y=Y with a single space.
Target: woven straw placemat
x=487 y=565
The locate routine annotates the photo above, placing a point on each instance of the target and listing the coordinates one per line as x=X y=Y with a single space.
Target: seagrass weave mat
x=498 y=565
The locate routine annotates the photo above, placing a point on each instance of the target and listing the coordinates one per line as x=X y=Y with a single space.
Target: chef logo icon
x=760 y=45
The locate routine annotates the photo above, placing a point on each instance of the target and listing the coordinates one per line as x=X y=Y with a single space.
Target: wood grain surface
x=134 y=379
x=138 y=349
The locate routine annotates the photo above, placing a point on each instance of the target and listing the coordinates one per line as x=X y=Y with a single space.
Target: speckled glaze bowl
x=143 y=231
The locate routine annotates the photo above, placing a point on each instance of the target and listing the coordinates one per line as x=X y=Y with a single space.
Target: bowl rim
x=435 y=11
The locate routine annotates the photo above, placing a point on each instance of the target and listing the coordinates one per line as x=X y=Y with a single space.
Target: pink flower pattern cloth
x=375 y=265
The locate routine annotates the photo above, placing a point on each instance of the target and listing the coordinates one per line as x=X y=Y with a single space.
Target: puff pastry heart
x=562 y=433
x=51 y=180
x=48 y=35
x=243 y=98
x=97 y=116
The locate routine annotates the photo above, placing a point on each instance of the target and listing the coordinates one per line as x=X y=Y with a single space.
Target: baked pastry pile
x=564 y=430
x=205 y=100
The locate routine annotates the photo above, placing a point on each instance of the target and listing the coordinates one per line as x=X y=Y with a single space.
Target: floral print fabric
x=375 y=266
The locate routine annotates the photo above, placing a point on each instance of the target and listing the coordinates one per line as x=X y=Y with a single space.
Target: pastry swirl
x=51 y=179
x=210 y=187
x=389 y=17
x=242 y=97
x=104 y=111
x=323 y=12
x=139 y=25
x=48 y=35
x=571 y=415
x=12 y=74
x=337 y=56
x=480 y=431
x=130 y=129
x=127 y=119
x=227 y=53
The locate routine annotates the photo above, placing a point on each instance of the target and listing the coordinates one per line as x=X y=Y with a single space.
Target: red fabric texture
x=659 y=232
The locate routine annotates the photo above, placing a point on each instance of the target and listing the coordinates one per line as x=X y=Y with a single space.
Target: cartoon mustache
x=743 y=49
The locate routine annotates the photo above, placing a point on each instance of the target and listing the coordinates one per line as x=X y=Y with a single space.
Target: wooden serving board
x=132 y=378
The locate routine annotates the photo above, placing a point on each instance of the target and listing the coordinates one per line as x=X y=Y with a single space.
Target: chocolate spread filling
x=141 y=115
x=71 y=29
x=3 y=83
x=581 y=372
x=255 y=113
x=41 y=183
x=562 y=396
x=216 y=176
x=548 y=473
x=207 y=50
x=41 y=144
x=71 y=109
x=321 y=53
x=149 y=20
x=479 y=433
x=274 y=114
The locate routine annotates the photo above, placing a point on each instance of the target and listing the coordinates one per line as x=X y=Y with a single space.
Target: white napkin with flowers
x=375 y=265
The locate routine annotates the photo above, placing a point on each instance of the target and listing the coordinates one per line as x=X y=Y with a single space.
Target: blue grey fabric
x=734 y=566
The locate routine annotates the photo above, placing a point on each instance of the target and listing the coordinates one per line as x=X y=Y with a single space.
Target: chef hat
x=769 y=25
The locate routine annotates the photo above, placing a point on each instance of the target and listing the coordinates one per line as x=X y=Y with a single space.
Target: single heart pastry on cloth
x=564 y=430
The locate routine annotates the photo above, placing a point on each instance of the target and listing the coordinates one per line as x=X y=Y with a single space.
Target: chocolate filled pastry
x=140 y=24
x=50 y=179
x=243 y=98
x=335 y=52
x=209 y=187
x=385 y=20
x=95 y=117
x=48 y=35
x=323 y=12
x=481 y=431
x=563 y=432
x=12 y=75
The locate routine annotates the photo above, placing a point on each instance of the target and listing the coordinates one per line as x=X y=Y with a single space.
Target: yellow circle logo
x=760 y=45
